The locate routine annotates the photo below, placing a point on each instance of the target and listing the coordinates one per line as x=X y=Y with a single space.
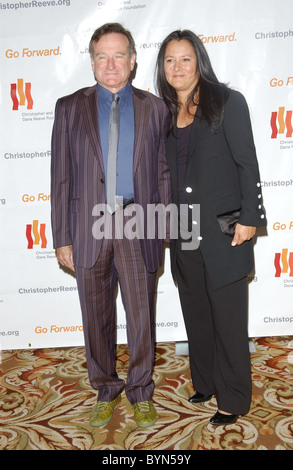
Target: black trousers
x=216 y=326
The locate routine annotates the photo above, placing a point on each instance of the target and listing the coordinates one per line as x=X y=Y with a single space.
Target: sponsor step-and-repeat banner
x=44 y=55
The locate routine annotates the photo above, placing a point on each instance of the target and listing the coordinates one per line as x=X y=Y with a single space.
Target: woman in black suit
x=213 y=163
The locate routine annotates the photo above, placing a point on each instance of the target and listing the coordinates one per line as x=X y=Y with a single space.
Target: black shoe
x=219 y=419
x=199 y=398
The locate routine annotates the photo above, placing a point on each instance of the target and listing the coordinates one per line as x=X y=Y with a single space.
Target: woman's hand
x=242 y=234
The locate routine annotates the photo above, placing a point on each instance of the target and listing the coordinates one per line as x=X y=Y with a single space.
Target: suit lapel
x=171 y=149
x=141 y=119
x=171 y=153
x=195 y=132
x=89 y=110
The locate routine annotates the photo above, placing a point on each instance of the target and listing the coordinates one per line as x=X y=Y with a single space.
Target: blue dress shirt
x=124 y=183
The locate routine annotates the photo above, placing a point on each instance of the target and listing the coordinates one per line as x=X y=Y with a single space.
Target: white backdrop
x=44 y=55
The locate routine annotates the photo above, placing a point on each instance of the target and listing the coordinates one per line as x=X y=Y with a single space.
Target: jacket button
x=188 y=189
x=102 y=180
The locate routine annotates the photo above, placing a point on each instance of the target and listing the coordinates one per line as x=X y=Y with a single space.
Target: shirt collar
x=106 y=95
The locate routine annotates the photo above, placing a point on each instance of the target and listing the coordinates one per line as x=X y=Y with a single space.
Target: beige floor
x=45 y=402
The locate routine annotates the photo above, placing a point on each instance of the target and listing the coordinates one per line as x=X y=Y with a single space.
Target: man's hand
x=242 y=234
x=64 y=256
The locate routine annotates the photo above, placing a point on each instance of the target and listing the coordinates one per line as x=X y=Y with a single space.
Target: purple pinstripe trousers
x=120 y=260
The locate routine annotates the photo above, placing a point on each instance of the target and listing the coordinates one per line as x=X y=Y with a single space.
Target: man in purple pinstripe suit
x=78 y=177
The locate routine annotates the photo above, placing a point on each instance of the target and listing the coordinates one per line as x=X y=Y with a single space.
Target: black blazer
x=222 y=175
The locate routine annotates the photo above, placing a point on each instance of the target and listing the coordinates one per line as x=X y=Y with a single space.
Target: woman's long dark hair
x=208 y=93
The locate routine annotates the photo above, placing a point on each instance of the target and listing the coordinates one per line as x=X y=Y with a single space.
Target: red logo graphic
x=284 y=263
x=284 y=121
x=35 y=235
x=21 y=94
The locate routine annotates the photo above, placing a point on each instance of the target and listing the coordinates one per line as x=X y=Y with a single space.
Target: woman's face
x=180 y=66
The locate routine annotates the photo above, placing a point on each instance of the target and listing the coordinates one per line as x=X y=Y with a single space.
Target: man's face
x=111 y=63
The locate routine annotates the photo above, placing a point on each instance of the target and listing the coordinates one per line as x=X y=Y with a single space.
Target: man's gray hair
x=112 y=28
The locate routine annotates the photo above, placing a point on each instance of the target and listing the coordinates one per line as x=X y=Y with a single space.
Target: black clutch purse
x=228 y=222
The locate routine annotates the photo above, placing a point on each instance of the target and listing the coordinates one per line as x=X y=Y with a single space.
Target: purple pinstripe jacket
x=77 y=173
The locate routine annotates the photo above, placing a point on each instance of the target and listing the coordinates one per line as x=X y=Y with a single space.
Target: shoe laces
x=143 y=406
x=101 y=405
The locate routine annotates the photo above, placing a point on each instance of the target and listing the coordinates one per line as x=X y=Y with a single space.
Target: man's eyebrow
x=105 y=53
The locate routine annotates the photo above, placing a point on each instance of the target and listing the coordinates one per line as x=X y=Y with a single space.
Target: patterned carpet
x=45 y=402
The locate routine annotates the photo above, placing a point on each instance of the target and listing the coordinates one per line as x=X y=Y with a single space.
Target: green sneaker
x=144 y=414
x=102 y=412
